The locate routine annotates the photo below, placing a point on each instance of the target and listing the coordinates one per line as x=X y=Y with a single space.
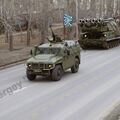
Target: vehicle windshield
x=55 y=51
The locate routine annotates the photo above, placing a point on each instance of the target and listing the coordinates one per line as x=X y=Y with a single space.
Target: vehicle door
x=68 y=59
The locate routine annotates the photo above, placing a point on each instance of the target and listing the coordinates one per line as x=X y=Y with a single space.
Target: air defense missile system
x=98 y=33
x=53 y=58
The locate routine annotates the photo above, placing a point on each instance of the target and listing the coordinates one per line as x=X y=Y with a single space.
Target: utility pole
x=77 y=18
x=29 y=24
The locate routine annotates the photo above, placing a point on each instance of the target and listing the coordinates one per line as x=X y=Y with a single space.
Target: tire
x=57 y=73
x=30 y=77
x=75 y=67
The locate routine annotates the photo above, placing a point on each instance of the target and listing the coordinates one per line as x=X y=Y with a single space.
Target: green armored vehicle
x=54 y=58
x=98 y=33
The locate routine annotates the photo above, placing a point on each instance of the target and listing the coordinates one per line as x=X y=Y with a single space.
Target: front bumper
x=39 y=69
x=39 y=72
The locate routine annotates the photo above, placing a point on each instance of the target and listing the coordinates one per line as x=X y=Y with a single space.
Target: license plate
x=37 y=70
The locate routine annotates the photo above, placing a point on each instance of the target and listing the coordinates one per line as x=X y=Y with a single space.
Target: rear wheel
x=75 y=67
x=57 y=73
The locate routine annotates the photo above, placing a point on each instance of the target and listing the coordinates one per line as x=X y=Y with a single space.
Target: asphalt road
x=88 y=95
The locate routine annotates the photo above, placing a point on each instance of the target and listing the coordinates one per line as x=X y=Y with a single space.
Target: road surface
x=88 y=95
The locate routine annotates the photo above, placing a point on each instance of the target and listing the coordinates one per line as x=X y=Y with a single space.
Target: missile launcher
x=98 y=33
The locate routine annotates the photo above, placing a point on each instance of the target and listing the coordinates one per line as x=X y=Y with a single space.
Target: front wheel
x=75 y=67
x=30 y=76
x=57 y=73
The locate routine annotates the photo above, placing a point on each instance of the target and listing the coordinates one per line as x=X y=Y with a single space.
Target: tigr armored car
x=53 y=59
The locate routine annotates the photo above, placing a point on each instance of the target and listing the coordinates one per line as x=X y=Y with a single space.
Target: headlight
x=50 y=66
x=29 y=65
x=85 y=36
x=105 y=35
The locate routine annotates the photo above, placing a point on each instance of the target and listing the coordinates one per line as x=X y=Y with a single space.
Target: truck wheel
x=57 y=73
x=75 y=67
x=31 y=77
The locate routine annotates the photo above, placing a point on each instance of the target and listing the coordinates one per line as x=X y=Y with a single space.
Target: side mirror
x=31 y=52
x=35 y=49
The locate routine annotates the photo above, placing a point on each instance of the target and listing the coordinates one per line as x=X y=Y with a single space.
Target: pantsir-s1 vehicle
x=53 y=59
x=99 y=33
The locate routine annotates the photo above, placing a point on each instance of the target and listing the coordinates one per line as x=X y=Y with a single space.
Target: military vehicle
x=54 y=58
x=98 y=33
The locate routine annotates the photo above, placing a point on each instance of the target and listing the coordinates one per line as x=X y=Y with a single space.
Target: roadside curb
x=114 y=114
x=13 y=64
